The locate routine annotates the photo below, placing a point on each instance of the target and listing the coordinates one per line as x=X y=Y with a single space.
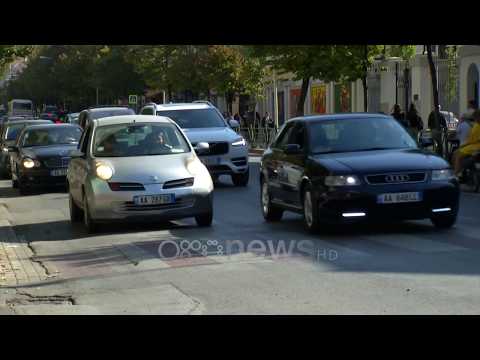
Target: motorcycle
x=471 y=172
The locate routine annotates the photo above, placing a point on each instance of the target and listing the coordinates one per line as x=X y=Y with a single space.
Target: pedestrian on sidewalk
x=398 y=115
x=415 y=123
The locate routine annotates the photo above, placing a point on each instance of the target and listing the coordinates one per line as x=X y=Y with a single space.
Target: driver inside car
x=157 y=141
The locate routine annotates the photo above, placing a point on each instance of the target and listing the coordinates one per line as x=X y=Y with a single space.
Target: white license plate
x=211 y=161
x=395 y=198
x=154 y=199
x=58 y=172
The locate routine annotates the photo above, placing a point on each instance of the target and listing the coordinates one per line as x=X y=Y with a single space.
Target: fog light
x=357 y=214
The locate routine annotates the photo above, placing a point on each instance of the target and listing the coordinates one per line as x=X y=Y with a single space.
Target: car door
x=293 y=166
x=274 y=166
x=78 y=167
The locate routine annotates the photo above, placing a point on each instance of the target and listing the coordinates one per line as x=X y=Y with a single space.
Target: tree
x=305 y=62
x=437 y=135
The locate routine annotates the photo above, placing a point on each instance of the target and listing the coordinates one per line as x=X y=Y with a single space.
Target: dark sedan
x=8 y=136
x=350 y=167
x=41 y=155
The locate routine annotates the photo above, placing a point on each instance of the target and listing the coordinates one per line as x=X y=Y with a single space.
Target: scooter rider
x=471 y=145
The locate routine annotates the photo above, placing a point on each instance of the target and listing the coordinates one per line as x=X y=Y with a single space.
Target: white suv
x=203 y=123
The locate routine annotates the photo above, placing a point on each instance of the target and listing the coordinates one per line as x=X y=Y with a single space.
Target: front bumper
x=108 y=205
x=234 y=162
x=360 y=203
x=41 y=177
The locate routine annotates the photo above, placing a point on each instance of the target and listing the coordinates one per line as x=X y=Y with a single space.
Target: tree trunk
x=433 y=75
x=303 y=96
x=365 y=94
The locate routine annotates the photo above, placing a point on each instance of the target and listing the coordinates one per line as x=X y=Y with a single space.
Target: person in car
x=471 y=145
x=156 y=142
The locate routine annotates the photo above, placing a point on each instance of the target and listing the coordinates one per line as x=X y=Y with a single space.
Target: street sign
x=132 y=99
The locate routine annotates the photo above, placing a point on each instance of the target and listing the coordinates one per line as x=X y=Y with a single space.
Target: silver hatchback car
x=138 y=167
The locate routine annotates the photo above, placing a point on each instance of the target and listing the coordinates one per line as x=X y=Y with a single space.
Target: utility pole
x=97 y=96
x=275 y=100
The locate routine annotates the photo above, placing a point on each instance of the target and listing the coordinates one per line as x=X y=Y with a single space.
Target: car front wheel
x=310 y=210
x=241 y=179
x=270 y=212
x=204 y=220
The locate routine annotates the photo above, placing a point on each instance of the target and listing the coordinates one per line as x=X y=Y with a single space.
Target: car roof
x=108 y=108
x=128 y=119
x=40 y=122
x=343 y=116
x=183 y=106
x=52 y=126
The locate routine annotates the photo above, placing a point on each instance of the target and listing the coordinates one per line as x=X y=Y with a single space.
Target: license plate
x=395 y=198
x=58 y=172
x=154 y=199
x=210 y=161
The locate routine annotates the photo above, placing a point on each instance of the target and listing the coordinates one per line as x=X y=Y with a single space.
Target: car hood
x=144 y=169
x=210 y=135
x=381 y=161
x=40 y=152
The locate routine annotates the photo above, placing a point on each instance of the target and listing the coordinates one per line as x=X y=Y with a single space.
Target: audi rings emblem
x=397 y=178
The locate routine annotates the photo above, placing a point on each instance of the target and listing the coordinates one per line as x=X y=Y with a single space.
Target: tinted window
x=198 y=118
x=114 y=112
x=22 y=106
x=124 y=140
x=284 y=138
x=52 y=136
x=345 y=135
x=147 y=111
x=13 y=131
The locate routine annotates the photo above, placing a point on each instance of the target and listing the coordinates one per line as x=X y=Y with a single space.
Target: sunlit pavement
x=241 y=265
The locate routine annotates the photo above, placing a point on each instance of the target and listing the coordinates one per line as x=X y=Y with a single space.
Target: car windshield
x=98 y=114
x=52 y=136
x=22 y=106
x=125 y=140
x=198 y=118
x=358 y=134
x=12 y=131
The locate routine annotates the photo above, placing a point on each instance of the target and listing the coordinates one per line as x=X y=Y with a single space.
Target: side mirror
x=13 y=149
x=292 y=149
x=76 y=154
x=202 y=147
x=234 y=124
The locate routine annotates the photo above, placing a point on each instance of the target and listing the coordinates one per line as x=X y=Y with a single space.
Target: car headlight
x=104 y=172
x=5 y=149
x=28 y=163
x=342 y=180
x=194 y=166
x=443 y=175
x=239 y=142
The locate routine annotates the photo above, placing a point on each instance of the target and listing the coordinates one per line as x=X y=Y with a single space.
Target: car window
x=83 y=144
x=98 y=114
x=140 y=139
x=297 y=135
x=147 y=111
x=284 y=137
x=12 y=131
x=358 y=134
x=197 y=118
x=51 y=136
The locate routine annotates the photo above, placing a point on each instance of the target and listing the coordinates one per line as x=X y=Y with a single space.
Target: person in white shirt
x=466 y=123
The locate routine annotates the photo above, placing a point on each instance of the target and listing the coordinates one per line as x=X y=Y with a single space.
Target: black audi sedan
x=348 y=168
x=41 y=155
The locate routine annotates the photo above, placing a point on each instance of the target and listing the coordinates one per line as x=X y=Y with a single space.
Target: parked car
x=202 y=122
x=87 y=116
x=138 y=167
x=8 y=136
x=41 y=155
x=349 y=167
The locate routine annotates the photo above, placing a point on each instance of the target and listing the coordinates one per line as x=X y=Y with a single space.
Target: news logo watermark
x=170 y=249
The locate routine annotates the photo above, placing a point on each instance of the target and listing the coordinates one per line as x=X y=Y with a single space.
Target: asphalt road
x=239 y=266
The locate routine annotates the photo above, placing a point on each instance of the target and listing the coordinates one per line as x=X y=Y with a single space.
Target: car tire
x=75 y=211
x=89 y=223
x=241 y=179
x=204 y=220
x=15 y=184
x=271 y=213
x=444 y=221
x=22 y=187
x=310 y=210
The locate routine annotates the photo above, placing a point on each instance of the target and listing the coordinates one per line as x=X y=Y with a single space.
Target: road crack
x=23 y=298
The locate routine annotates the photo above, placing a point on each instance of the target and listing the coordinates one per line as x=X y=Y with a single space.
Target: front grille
x=126 y=187
x=242 y=161
x=218 y=168
x=397 y=178
x=178 y=183
x=57 y=162
x=216 y=148
x=130 y=206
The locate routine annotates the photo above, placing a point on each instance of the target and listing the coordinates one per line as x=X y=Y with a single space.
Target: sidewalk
x=17 y=265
